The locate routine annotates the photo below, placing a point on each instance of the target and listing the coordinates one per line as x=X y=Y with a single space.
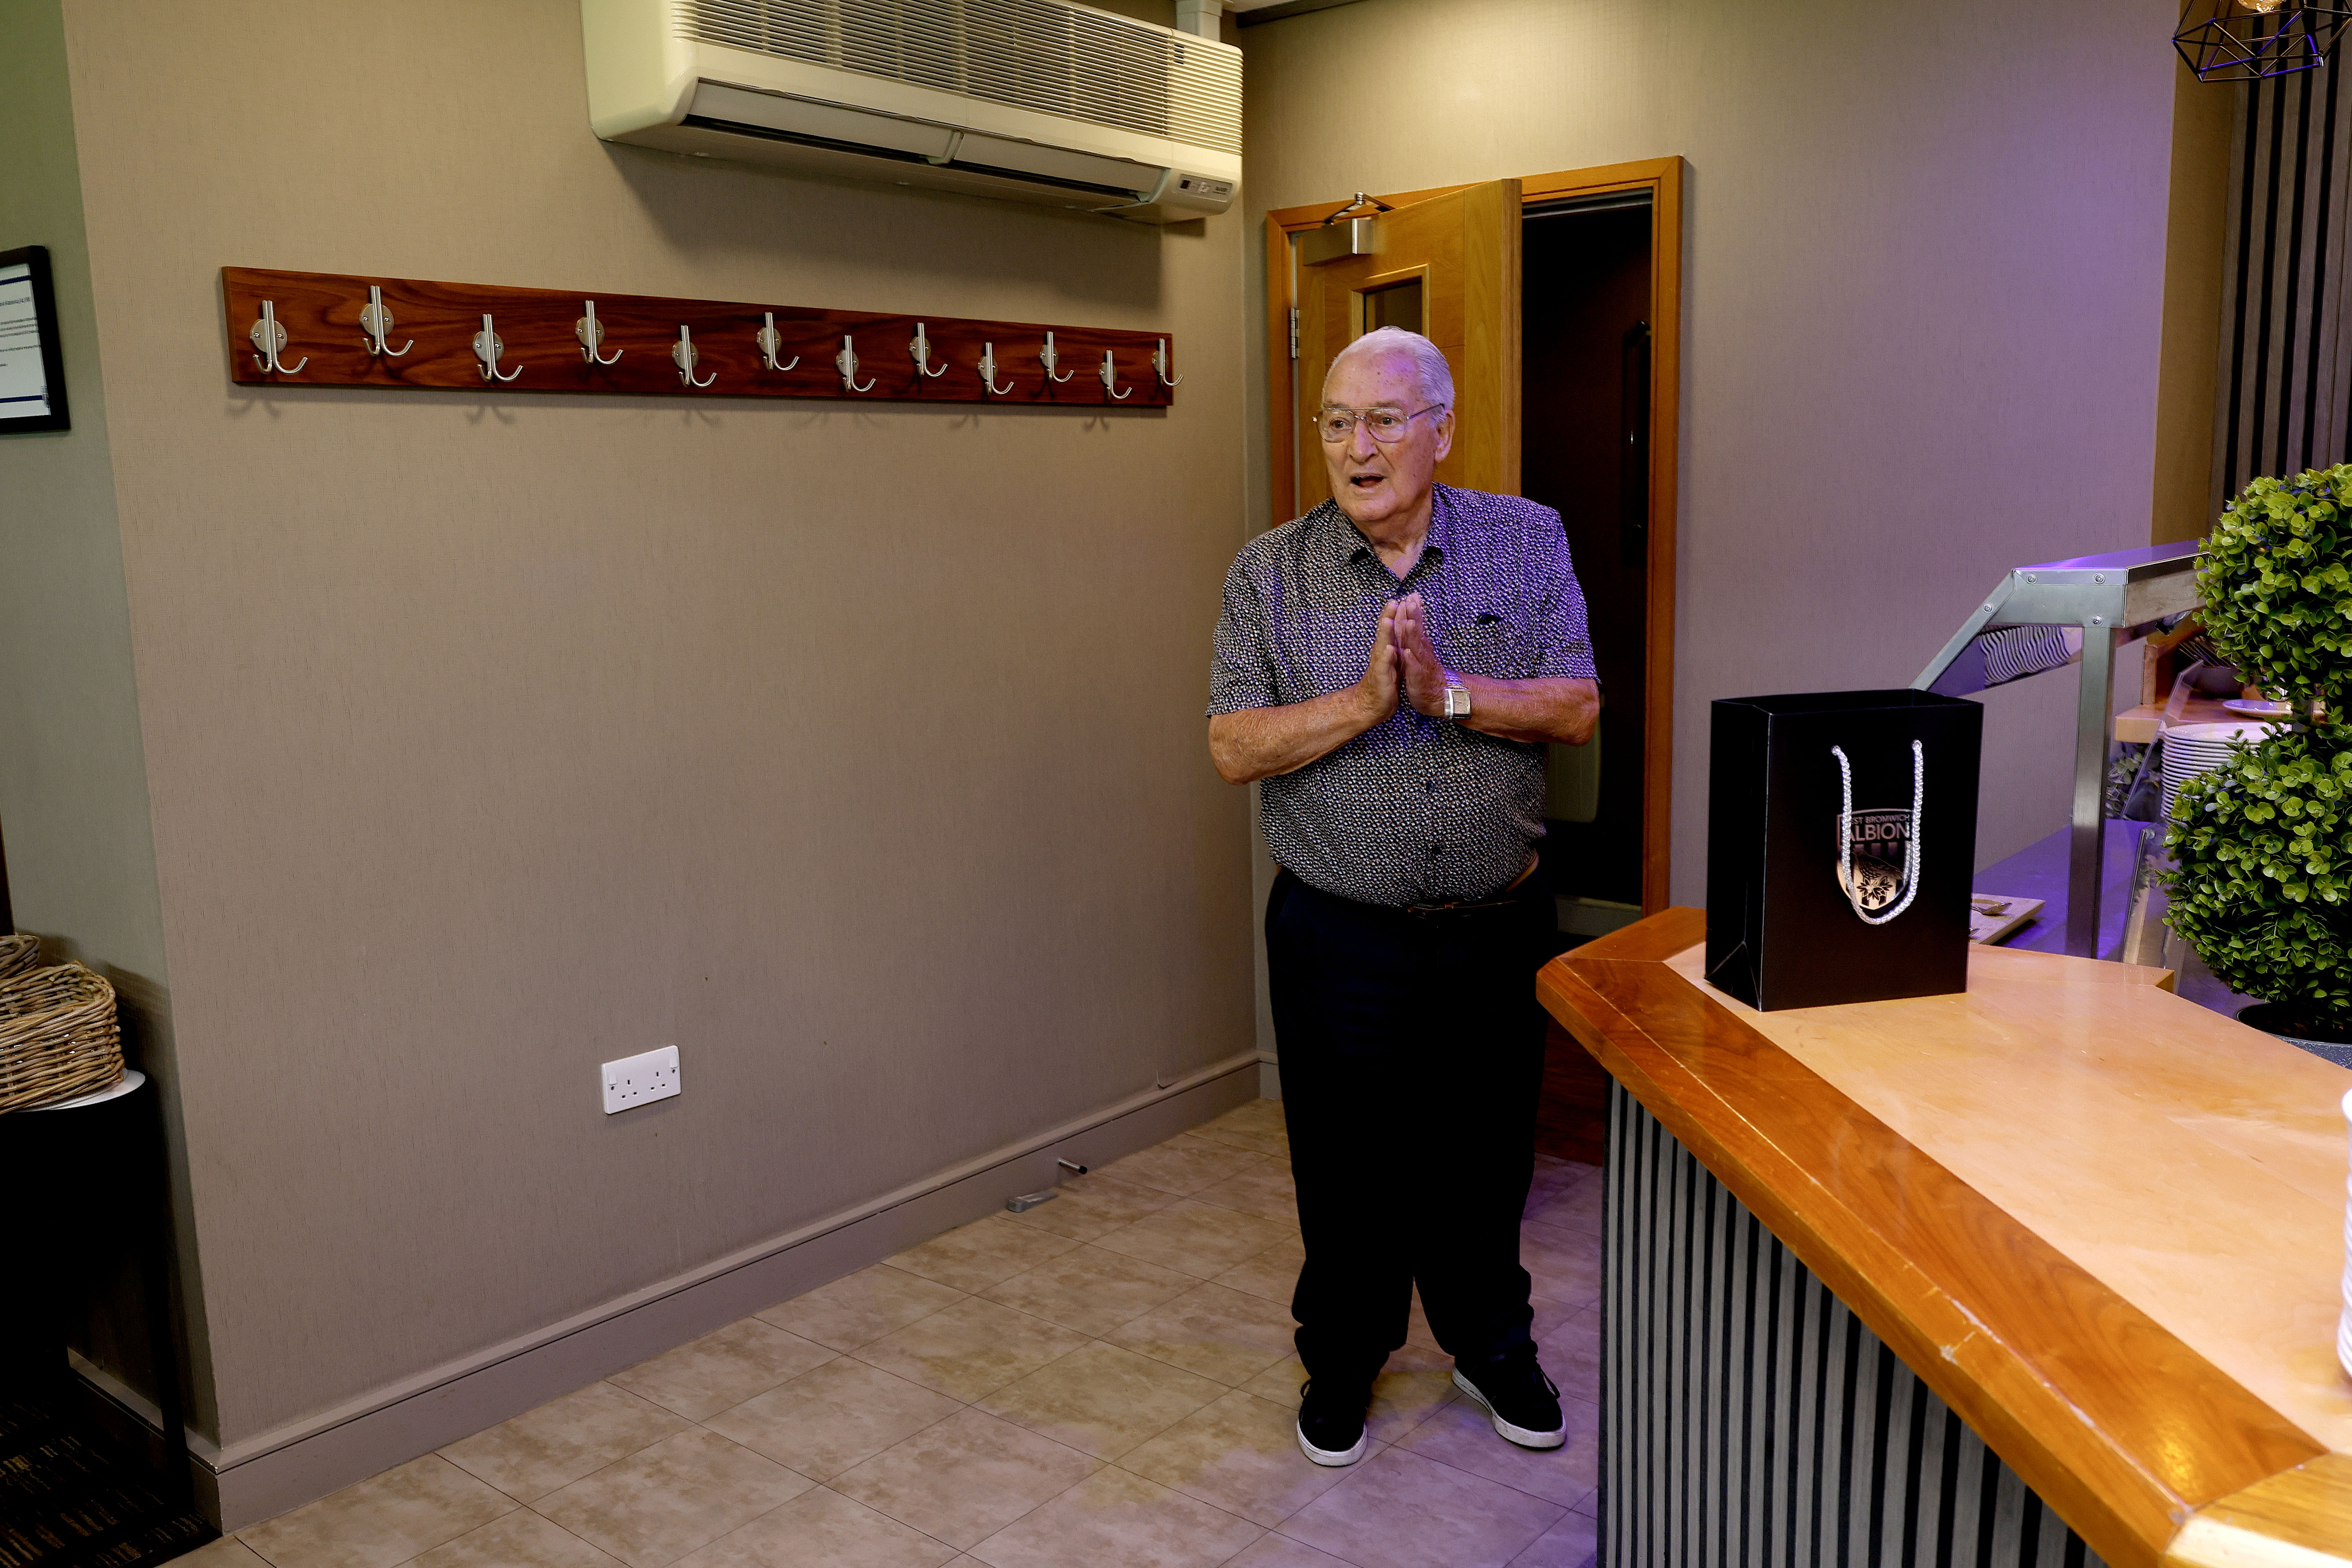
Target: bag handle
x=1845 y=834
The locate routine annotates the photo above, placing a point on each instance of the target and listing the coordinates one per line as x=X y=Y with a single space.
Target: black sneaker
x=1331 y=1423
x=1518 y=1397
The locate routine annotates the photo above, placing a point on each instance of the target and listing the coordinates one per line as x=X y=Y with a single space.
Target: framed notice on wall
x=32 y=362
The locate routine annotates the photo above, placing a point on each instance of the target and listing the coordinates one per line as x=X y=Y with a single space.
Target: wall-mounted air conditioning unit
x=1037 y=100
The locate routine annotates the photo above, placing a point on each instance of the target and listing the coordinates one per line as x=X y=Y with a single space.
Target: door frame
x=1663 y=179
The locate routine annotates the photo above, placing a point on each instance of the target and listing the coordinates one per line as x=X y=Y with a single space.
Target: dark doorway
x=1585 y=452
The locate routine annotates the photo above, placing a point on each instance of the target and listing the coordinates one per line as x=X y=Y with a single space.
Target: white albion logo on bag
x=1878 y=851
x=1874 y=867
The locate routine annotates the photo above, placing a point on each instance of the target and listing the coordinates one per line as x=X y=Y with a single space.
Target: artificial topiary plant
x=2262 y=846
x=2276 y=579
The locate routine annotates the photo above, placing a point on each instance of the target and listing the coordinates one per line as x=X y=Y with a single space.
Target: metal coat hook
x=1159 y=364
x=376 y=321
x=487 y=347
x=770 y=340
x=846 y=362
x=1110 y=377
x=920 y=347
x=1053 y=359
x=590 y=333
x=988 y=370
x=684 y=354
x=269 y=338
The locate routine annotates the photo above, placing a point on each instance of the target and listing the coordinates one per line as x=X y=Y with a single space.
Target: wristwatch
x=1457 y=698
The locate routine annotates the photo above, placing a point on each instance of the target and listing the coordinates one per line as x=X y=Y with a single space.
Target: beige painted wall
x=2196 y=230
x=1923 y=277
x=855 y=749
x=73 y=789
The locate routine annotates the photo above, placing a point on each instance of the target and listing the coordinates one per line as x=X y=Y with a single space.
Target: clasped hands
x=1404 y=663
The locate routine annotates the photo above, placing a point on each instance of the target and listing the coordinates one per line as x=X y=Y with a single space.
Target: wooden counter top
x=2103 y=1224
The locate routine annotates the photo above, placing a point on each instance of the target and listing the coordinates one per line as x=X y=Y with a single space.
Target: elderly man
x=1387 y=668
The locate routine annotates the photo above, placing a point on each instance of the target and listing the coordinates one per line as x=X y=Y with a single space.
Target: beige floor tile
x=1575 y=1207
x=704 y=1377
x=1460 y=1435
x=1117 y=1518
x=563 y=1440
x=1263 y=1190
x=1417 y=1330
x=971 y=1349
x=1240 y=1454
x=1280 y=1382
x=1281 y=1552
x=1400 y=1510
x=839 y=1414
x=974 y=1257
x=1273 y=1274
x=1183 y=1165
x=1573 y=1542
x=228 y=1551
x=1213 y=1329
x=1551 y=1172
x=1564 y=1264
x=1409 y=1391
x=1089 y=1289
x=1198 y=1238
x=520 y=1539
x=860 y=1308
x=1257 y=1127
x=965 y=1478
x=682 y=1493
x=821 y=1529
x=1568 y=1341
x=1089 y=1206
x=1102 y=1400
x=380 y=1521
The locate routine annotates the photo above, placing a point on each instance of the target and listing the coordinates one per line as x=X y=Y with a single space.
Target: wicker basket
x=59 y=1036
x=17 y=954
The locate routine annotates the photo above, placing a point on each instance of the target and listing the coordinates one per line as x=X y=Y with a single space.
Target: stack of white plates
x=2193 y=749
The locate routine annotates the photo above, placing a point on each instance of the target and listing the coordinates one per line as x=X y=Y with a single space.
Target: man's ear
x=1444 y=435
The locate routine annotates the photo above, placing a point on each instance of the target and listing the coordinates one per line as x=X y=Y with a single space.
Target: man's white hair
x=1429 y=370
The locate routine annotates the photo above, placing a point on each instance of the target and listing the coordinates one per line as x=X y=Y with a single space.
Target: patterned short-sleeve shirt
x=1416 y=809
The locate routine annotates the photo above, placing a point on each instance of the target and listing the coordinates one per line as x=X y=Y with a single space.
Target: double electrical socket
x=640 y=1080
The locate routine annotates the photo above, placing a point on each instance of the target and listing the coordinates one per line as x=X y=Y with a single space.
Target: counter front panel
x=1749 y=1417
x=2102 y=1225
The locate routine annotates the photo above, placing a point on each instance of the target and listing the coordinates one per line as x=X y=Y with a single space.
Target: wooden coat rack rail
x=342 y=330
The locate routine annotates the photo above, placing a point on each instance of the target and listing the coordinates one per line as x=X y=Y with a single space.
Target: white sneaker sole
x=1504 y=1429
x=1332 y=1458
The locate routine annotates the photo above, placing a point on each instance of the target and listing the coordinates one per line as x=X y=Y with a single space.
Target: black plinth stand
x=84 y=1187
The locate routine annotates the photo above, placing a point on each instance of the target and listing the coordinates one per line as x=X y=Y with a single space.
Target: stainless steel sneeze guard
x=2113 y=598
x=1747 y=1417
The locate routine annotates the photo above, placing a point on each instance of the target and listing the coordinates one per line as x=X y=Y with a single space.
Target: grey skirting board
x=1749 y=1418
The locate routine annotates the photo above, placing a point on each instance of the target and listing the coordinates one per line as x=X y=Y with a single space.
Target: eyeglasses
x=1386 y=425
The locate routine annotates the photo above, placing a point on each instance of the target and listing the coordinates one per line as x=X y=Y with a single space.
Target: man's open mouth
x=1366 y=482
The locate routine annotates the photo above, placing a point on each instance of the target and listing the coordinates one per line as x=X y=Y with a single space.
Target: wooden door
x=1448 y=267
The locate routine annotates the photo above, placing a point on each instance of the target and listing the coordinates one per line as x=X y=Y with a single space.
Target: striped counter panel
x=1749 y=1420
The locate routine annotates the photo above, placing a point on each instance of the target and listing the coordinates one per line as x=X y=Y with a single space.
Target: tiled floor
x=1104 y=1381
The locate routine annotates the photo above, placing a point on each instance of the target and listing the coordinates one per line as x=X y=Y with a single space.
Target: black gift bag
x=1840 y=844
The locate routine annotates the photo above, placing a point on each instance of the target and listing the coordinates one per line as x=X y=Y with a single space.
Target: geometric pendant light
x=2246 y=41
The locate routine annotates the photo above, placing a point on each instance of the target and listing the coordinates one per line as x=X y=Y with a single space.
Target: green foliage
x=2261 y=885
x=2277 y=580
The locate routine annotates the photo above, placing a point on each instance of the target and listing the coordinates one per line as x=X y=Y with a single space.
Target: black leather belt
x=1430 y=912
x=1505 y=900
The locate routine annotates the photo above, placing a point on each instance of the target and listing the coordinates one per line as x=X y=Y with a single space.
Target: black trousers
x=1412 y=1051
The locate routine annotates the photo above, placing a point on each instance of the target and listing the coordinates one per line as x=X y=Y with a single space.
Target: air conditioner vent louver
x=1037 y=55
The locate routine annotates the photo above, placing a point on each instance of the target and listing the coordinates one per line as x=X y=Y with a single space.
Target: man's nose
x=1362 y=447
